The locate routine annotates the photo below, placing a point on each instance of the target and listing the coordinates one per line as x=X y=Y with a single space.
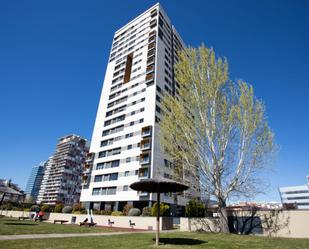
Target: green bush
x=76 y=212
x=17 y=209
x=83 y=211
x=134 y=212
x=126 y=209
x=164 y=209
x=45 y=208
x=146 y=211
x=96 y=211
x=77 y=207
x=195 y=208
x=58 y=208
x=106 y=212
x=35 y=208
x=26 y=209
x=117 y=213
x=67 y=210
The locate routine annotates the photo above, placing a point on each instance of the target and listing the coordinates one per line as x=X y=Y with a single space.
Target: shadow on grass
x=20 y=224
x=181 y=241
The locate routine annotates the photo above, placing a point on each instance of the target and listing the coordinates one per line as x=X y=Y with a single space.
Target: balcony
x=85 y=180
x=90 y=157
x=149 y=78
x=151 y=60
x=146 y=131
x=150 y=69
x=144 y=159
x=145 y=144
x=143 y=173
x=87 y=167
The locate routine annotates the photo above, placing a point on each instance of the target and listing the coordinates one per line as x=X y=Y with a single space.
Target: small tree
x=164 y=209
x=45 y=208
x=126 y=209
x=58 y=208
x=195 y=208
x=146 y=211
x=35 y=208
x=216 y=129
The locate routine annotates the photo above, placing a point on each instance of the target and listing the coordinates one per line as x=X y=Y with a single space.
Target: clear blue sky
x=53 y=56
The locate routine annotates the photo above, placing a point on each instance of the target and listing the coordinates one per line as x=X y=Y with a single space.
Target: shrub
x=67 y=210
x=96 y=211
x=45 y=208
x=83 y=211
x=8 y=206
x=77 y=207
x=106 y=212
x=35 y=208
x=17 y=209
x=146 y=211
x=117 y=213
x=126 y=209
x=26 y=209
x=195 y=208
x=58 y=208
x=164 y=209
x=76 y=212
x=134 y=212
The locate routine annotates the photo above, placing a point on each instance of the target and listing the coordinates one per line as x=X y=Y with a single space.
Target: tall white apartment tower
x=125 y=145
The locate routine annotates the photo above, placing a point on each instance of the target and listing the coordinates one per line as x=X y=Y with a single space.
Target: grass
x=170 y=241
x=135 y=240
x=11 y=226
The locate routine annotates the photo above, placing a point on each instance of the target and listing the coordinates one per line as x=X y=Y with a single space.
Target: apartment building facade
x=125 y=144
x=63 y=174
x=35 y=180
x=296 y=195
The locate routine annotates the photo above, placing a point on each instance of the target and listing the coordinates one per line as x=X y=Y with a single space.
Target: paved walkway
x=63 y=235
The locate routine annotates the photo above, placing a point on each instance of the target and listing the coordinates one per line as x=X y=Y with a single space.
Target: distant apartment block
x=297 y=195
x=125 y=144
x=62 y=178
x=35 y=180
x=10 y=192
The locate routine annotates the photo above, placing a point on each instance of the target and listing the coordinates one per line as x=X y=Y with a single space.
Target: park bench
x=60 y=221
x=90 y=224
x=110 y=223
x=131 y=224
x=23 y=218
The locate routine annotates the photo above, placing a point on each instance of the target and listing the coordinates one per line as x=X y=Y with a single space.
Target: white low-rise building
x=297 y=195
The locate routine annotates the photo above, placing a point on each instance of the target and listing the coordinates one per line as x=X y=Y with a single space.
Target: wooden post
x=158 y=218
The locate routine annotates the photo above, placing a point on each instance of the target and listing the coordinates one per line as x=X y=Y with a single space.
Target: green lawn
x=14 y=226
x=171 y=240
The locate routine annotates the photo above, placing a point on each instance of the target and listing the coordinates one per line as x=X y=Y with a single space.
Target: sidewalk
x=63 y=235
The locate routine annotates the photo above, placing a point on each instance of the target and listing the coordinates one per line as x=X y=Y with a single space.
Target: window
x=100 y=166
x=96 y=191
x=131 y=123
x=125 y=188
x=113 y=177
x=115 y=163
x=128 y=159
x=129 y=146
x=141 y=120
x=126 y=173
x=98 y=178
x=111 y=191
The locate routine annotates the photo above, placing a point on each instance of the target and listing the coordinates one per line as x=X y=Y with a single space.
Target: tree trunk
x=223 y=220
x=158 y=219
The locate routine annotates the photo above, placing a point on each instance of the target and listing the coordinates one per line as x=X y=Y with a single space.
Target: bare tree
x=215 y=128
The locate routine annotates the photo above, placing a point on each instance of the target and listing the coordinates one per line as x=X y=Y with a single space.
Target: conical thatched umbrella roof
x=158 y=186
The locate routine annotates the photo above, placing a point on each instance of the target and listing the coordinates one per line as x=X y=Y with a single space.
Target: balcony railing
x=144 y=159
x=146 y=131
